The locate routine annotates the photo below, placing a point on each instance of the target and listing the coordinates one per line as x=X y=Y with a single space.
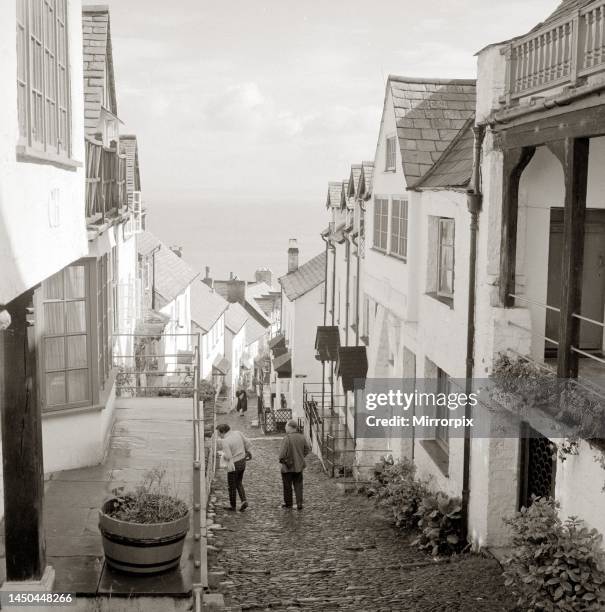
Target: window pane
x=76 y=316
x=75 y=282
x=55 y=389
x=54 y=318
x=77 y=384
x=53 y=287
x=76 y=352
x=55 y=353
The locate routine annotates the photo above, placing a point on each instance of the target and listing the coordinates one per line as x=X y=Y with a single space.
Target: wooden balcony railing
x=105 y=181
x=559 y=53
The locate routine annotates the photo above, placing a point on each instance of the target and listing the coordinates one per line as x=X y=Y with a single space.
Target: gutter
x=543 y=104
x=474 y=201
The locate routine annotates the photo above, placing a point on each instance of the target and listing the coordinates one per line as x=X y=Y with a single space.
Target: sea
x=239 y=236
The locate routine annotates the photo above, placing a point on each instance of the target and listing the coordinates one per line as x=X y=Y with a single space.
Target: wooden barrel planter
x=138 y=548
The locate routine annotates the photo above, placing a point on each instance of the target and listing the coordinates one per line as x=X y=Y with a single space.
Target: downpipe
x=474 y=202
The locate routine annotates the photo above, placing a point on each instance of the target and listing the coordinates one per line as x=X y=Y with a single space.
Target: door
x=593 y=280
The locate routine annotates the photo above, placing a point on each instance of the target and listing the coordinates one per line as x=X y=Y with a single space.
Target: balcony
x=561 y=53
x=106 y=195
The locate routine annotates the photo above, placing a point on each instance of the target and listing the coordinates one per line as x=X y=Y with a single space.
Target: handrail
x=540 y=304
x=593 y=321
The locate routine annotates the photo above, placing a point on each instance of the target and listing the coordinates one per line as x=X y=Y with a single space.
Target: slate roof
x=206 y=305
x=305 y=278
x=172 y=274
x=98 y=65
x=366 y=179
x=429 y=114
x=455 y=167
x=566 y=8
x=345 y=193
x=254 y=331
x=334 y=199
x=130 y=148
x=236 y=317
x=353 y=187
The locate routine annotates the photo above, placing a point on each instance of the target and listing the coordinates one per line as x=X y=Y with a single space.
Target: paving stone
x=338 y=554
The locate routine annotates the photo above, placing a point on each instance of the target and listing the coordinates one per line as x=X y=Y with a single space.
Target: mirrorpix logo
x=395 y=408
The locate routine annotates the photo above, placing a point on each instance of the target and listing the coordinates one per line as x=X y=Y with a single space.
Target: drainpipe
x=474 y=200
x=347 y=233
x=323 y=363
x=355 y=241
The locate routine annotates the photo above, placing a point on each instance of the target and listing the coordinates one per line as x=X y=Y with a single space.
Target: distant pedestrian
x=242 y=402
x=236 y=451
x=294 y=449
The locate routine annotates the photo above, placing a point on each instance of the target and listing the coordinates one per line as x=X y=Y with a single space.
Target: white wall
x=211 y=350
x=38 y=235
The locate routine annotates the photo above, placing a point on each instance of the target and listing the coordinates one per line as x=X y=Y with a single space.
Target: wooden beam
x=22 y=446
x=574 y=218
x=514 y=162
x=582 y=123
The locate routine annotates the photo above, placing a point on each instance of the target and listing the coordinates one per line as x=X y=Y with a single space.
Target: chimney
x=264 y=275
x=207 y=280
x=177 y=250
x=292 y=255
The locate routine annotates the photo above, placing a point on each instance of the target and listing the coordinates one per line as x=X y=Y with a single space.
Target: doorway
x=593 y=281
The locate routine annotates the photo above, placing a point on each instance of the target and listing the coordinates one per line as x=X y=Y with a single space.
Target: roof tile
x=305 y=278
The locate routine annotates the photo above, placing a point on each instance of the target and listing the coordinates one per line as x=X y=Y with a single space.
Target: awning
x=327 y=342
x=221 y=366
x=283 y=365
x=352 y=367
x=277 y=342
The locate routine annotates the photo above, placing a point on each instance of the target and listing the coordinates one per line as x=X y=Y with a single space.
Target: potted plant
x=144 y=530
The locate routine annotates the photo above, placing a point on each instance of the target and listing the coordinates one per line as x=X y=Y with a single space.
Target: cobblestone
x=338 y=554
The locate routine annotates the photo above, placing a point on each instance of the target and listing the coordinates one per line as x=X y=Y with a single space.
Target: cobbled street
x=338 y=553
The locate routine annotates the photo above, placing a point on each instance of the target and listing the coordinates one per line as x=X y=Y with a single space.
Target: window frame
x=399 y=228
x=43 y=72
x=381 y=217
x=390 y=154
x=42 y=337
x=439 y=287
x=442 y=433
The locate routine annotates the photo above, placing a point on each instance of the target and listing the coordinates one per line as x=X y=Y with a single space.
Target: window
x=381 y=220
x=390 y=154
x=104 y=318
x=42 y=76
x=442 y=432
x=66 y=340
x=399 y=227
x=445 y=267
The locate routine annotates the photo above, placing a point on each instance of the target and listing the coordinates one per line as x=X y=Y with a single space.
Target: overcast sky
x=268 y=100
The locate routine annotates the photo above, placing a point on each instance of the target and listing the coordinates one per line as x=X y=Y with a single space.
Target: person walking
x=236 y=451
x=294 y=449
x=242 y=402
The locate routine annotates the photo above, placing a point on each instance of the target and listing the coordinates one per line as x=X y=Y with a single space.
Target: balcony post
x=514 y=162
x=576 y=182
x=22 y=447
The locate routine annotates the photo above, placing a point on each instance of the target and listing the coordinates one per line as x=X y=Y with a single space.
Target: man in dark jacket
x=294 y=449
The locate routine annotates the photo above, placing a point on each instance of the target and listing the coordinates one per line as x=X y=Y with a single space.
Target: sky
x=245 y=109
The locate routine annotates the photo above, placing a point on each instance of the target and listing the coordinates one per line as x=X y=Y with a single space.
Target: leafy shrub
x=206 y=390
x=401 y=492
x=440 y=524
x=150 y=502
x=414 y=507
x=555 y=565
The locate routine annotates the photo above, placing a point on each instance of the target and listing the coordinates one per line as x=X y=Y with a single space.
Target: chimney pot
x=292 y=255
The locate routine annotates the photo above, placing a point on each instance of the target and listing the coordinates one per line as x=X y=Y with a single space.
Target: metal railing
x=271 y=420
x=105 y=181
x=575 y=315
x=558 y=53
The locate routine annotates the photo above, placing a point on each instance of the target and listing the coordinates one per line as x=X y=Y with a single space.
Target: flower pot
x=138 y=548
